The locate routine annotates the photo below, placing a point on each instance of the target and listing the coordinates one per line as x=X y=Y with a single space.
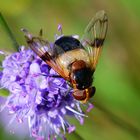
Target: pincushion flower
x=45 y=101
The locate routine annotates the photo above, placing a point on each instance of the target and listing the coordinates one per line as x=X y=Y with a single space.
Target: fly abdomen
x=66 y=43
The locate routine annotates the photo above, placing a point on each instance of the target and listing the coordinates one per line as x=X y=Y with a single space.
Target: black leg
x=51 y=75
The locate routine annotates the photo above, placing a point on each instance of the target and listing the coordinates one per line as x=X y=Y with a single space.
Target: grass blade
x=6 y=28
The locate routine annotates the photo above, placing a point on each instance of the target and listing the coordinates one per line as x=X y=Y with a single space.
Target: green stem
x=8 y=31
x=77 y=136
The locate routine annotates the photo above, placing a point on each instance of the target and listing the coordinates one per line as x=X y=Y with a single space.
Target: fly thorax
x=81 y=75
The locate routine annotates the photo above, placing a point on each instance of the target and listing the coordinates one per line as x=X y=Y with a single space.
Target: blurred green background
x=116 y=115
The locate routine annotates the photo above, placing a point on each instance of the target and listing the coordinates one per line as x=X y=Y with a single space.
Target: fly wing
x=44 y=50
x=94 y=36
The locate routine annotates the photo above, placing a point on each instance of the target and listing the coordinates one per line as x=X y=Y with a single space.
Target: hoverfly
x=75 y=60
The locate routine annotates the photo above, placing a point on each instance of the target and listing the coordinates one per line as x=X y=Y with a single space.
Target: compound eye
x=79 y=95
x=83 y=95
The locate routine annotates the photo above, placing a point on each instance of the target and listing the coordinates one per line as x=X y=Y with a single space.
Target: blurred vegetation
x=116 y=114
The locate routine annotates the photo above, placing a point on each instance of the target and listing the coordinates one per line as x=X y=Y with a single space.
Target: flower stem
x=78 y=136
x=8 y=31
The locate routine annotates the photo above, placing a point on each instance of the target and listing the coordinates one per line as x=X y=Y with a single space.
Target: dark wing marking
x=94 y=36
x=44 y=51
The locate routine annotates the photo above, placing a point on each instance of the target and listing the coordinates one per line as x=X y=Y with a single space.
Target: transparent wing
x=44 y=50
x=94 y=36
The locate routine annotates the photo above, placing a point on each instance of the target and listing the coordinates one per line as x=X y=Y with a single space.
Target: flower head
x=39 y=95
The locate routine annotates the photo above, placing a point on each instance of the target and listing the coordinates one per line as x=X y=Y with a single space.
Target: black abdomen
x=66 y=43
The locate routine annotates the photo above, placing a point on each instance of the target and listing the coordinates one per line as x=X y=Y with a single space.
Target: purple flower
x=35 y=95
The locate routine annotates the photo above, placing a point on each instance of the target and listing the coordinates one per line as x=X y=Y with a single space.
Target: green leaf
x=4 y=93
